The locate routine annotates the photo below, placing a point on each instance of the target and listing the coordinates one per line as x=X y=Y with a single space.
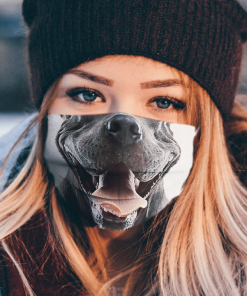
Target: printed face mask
x=116 y=169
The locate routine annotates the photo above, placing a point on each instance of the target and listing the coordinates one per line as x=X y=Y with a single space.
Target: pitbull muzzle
x=114 y=166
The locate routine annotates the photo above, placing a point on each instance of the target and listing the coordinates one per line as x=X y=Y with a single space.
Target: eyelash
x=177 y=105
x=74 y=92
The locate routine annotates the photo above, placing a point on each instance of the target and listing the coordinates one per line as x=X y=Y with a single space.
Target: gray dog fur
x=91 y=149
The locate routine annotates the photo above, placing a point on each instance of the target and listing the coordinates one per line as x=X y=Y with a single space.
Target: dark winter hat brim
x=204 y=39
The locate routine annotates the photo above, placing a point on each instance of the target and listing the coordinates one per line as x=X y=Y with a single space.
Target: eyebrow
x=109 y=82
x=161 y=83
x=89 y=76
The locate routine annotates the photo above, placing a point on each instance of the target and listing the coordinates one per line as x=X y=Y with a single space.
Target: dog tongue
x=116 y=191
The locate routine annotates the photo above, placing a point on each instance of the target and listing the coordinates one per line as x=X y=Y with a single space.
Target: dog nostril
x=135 y=129
x=113 y=126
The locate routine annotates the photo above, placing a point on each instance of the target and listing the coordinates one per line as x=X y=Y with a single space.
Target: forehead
x=124 y=66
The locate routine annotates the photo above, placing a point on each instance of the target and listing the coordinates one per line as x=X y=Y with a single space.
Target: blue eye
x=163 y=103
x=87 y=96
x=169 y=103
x=83 y=95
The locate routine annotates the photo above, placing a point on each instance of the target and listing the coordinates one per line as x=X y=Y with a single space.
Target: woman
x=87 y=213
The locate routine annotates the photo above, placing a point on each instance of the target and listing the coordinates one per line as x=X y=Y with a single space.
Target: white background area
x=174 y=180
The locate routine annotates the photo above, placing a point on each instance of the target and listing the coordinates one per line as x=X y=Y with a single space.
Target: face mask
x=118 y=170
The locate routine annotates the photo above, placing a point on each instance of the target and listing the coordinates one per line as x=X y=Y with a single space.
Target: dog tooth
x=137 y=183
x=94 y=180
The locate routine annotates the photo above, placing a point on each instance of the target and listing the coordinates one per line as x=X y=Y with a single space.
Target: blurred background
x=15 y=103
x=14 y=83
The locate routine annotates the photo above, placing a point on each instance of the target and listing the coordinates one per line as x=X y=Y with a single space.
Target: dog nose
x=124 y=129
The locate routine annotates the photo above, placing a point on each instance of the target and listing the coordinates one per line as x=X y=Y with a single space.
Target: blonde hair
x=195 y=246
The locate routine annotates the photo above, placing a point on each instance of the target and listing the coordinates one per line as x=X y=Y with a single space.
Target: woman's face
x=129 y=84
x=121 y=152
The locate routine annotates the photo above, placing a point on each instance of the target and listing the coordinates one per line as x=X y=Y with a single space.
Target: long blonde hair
x=196 y=246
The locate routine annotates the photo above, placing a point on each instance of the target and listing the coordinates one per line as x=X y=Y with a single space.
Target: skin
x=127 y=90
x=129 y=84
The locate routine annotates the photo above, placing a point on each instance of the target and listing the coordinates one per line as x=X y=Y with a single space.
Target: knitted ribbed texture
x=202 y=38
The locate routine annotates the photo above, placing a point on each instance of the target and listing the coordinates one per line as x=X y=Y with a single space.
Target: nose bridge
x=124 y=102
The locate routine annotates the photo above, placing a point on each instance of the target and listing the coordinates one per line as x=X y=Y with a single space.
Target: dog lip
x=146 y=188
x=112 y=217
x=84 y=178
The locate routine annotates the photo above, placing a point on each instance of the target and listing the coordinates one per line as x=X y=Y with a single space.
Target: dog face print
x=116 y=166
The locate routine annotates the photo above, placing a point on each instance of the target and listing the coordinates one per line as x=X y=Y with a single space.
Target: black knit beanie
x=202 y=38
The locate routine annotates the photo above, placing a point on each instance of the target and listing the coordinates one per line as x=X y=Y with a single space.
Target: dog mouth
x=116 y=193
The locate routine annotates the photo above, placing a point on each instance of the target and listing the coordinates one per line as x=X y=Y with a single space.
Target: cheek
x=57 y=106
x=182 y=117
x=64 y=106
